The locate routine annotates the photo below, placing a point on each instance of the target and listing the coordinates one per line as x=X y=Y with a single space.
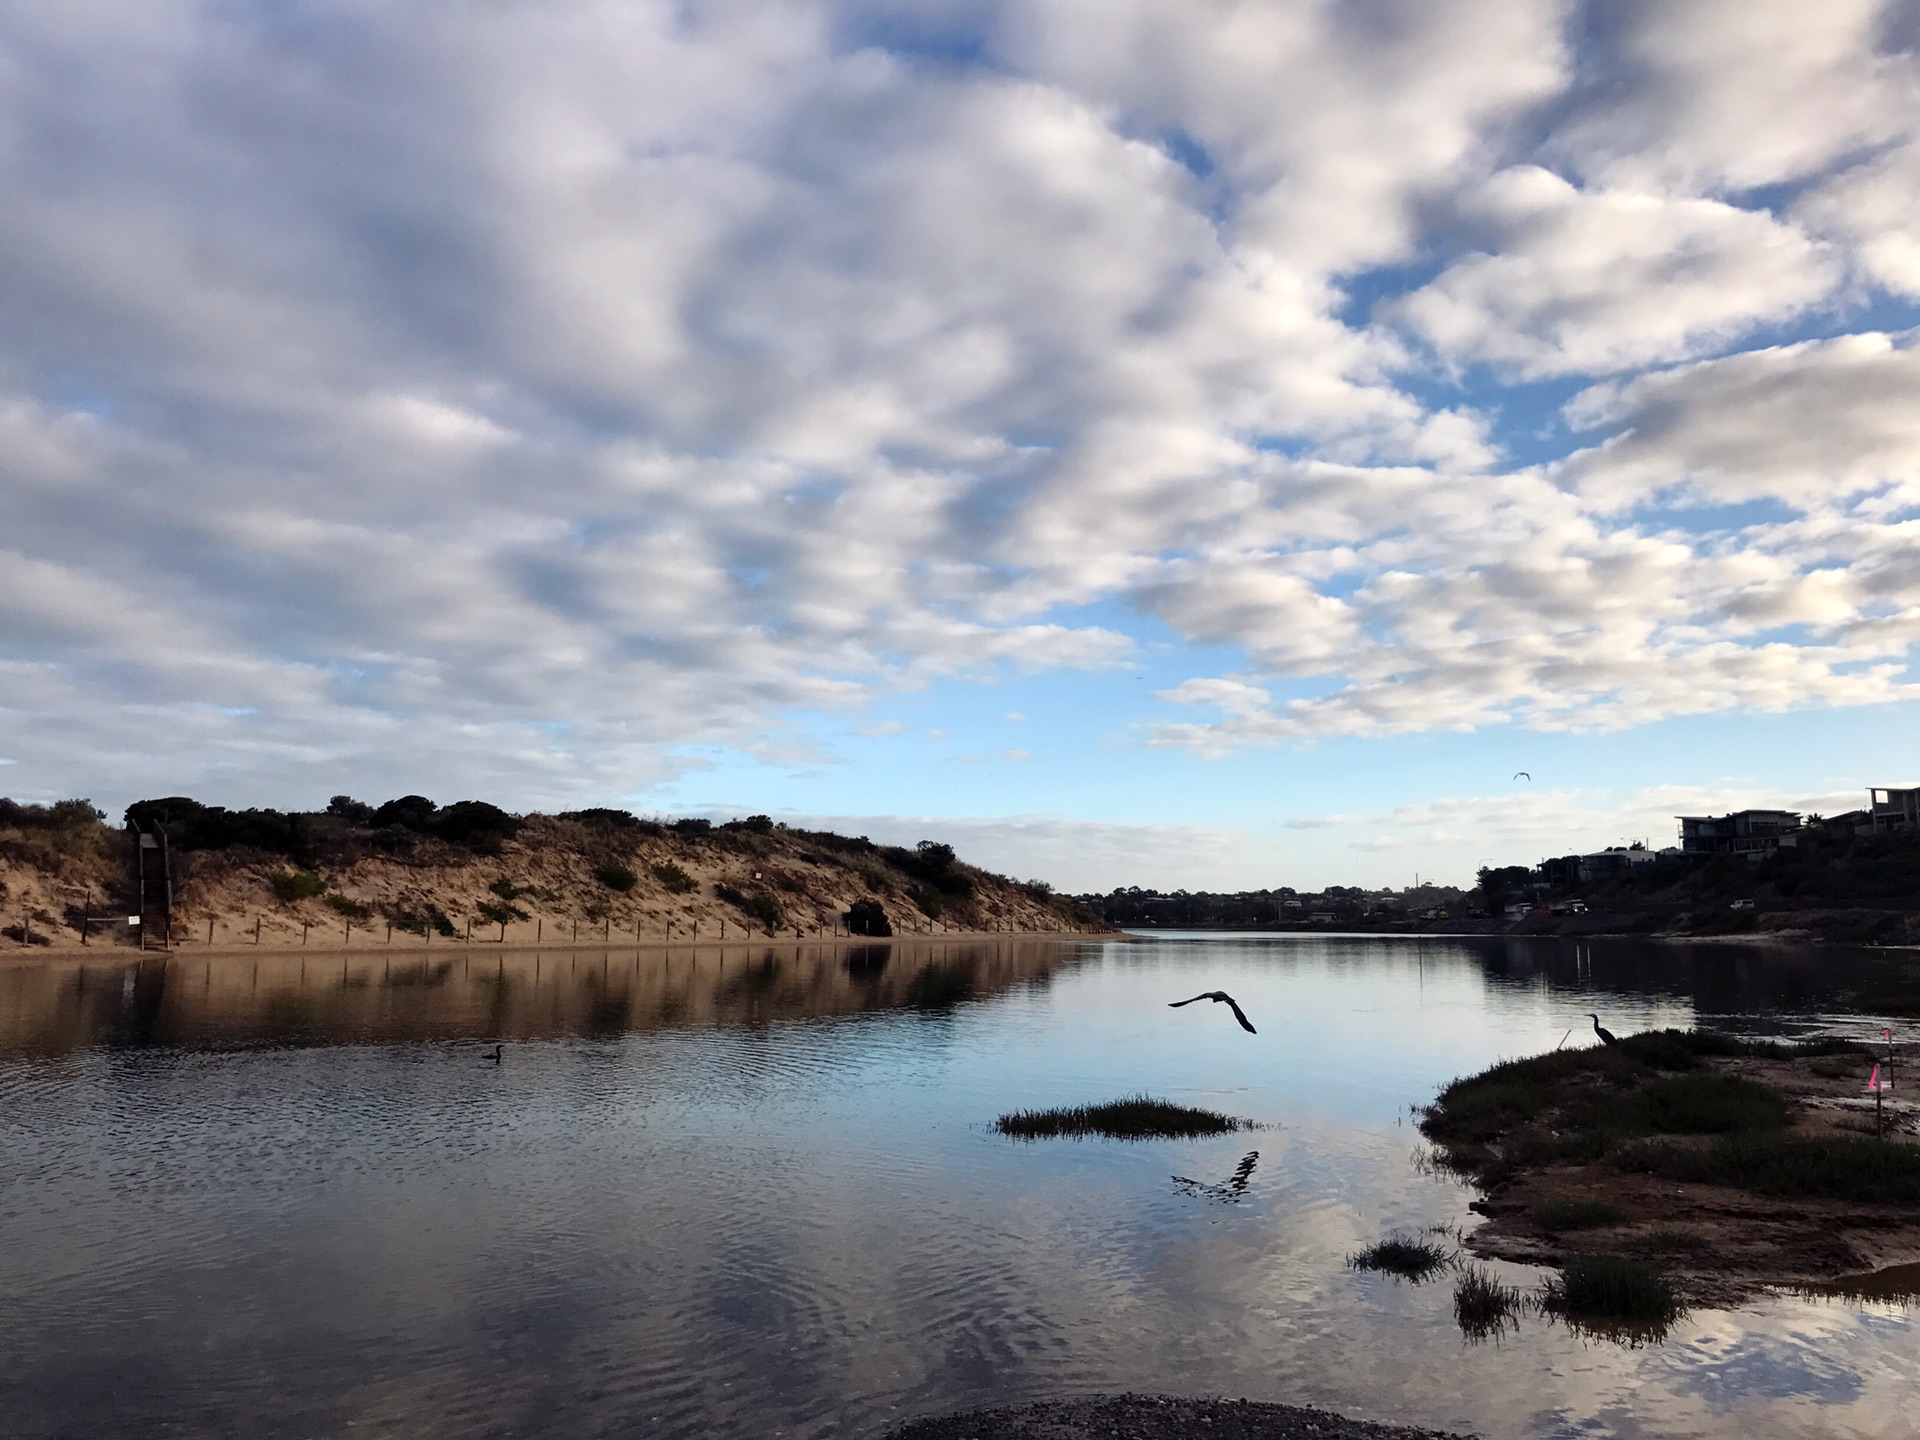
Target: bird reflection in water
x=1228 y=1193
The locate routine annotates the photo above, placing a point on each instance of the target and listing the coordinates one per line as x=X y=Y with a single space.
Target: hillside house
x=1893 y=809
x=1753 y=833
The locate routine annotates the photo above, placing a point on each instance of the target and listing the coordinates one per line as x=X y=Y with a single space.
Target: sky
x=1180 y=444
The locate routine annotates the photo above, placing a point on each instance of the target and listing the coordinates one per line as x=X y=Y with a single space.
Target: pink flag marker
x=1875 y=1083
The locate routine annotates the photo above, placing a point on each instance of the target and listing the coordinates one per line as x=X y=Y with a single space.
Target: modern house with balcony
x=1753 y=833
x=1893 y=809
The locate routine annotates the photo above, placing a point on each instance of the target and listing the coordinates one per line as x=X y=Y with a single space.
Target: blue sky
x=1299 y=417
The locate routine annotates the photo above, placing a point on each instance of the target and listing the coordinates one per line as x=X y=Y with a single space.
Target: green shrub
x=1137 y=1117
x=1554 y=1216
x=615 y=877
x=291 y=885
x=415 y=922
x=677 y=881
x=499 y=913
x=931 y=902
x=759 y=906
x=1612 y=1287
x=352 y=909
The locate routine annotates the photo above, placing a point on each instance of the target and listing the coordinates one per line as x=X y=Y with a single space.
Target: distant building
x=1849 y=822
x=1754 y=833
x=1612 y=861
x=1894 y=809
x=1566 y=871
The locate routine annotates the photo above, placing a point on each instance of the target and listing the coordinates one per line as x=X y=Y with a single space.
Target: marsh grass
x=1710 y=1105
x=1407 y=1257
x=1137 y=1117
x=1612 y=1289
x=1585 y=1106
x=1482 y=1306
x=1833 y=1167
x=1554 y=1216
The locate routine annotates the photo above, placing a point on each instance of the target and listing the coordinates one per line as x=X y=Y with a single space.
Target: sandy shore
x=1155 y=1417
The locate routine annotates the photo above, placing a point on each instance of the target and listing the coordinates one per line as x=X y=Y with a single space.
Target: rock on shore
x=1155 y=1417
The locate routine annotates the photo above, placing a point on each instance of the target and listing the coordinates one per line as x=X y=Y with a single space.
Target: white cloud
x=526 y=396
x=1728 y=94
x=1807 y=423
x=1589 y=282
x=1522 y=827
x=1875 y=208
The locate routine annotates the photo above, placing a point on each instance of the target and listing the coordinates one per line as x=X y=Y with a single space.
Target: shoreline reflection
x=290 y=1000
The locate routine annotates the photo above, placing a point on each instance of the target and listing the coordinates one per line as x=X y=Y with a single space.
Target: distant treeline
x=1252 y=909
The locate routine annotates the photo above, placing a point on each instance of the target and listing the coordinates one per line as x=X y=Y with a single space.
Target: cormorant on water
x=492 y=1057
x=1216 y=996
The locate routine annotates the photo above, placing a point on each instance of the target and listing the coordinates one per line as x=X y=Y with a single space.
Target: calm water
x=753 y=1192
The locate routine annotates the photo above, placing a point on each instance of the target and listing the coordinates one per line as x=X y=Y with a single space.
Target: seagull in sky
x=1521 y=775
x=1217 y=996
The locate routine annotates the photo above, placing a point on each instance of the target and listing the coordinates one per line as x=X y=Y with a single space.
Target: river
x=756 y=1191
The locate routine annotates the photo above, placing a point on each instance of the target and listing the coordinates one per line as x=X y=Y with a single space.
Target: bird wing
x=1176 y=1004
x=1245 y=1024
x=1521 y=774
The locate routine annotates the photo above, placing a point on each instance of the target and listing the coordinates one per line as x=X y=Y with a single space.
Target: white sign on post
x=133 y=919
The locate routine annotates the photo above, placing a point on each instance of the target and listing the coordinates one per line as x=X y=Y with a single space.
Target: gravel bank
x=1155 y=1417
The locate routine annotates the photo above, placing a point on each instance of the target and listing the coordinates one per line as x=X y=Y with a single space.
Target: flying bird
x=1217 y=996
x=1607 y=1037
x=1521 y=775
